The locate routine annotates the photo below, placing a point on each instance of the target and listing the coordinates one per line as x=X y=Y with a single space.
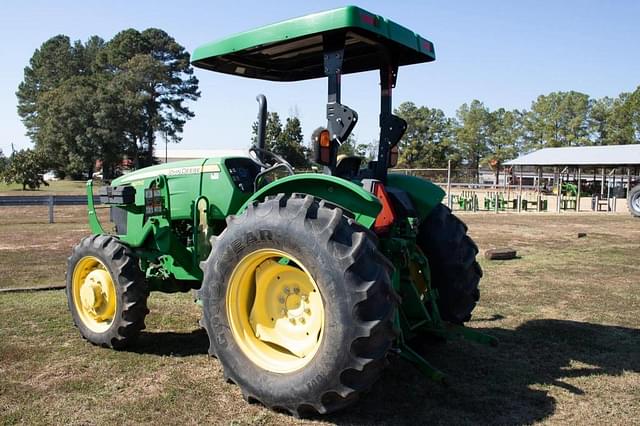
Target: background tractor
x=307 y=282
x=633 y=200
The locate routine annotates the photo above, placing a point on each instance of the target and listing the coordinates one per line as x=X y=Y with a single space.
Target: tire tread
x=374 y=300
x=455 y=273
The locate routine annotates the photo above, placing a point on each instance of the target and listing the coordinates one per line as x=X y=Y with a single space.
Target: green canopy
x=293 y=50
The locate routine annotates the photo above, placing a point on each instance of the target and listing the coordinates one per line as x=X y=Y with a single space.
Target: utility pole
x=166 y=149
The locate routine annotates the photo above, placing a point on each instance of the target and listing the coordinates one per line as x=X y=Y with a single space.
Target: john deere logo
x=184 y=171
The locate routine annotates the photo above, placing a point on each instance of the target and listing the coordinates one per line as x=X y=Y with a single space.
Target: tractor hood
x=179 y=168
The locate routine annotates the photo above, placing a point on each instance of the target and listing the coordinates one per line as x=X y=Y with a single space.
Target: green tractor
x=307 y=282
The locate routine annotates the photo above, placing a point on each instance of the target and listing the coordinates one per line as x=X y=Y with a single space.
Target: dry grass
x=566 y=314
x=34 y=253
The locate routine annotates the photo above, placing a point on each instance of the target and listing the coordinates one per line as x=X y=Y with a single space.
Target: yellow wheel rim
x=275 y=311
x=94 y=294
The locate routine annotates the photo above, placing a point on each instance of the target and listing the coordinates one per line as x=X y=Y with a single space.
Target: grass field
x=566 y=313
x=66 y=187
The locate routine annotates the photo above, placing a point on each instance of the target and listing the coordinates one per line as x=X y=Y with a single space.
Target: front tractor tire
x=106 y=292
x=455 y=273
x=298 y=305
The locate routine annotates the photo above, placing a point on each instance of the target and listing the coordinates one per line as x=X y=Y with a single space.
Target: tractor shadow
x=508 y=384
x=168 y=343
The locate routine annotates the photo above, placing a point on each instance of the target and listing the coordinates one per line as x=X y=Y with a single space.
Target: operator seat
x=347 y=166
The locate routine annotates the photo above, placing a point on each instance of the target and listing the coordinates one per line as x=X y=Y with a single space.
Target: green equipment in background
x=492 y=199
x=504 y=203
x=569 y=196
x=466 y=201
x=539 y=205
x=309 y=282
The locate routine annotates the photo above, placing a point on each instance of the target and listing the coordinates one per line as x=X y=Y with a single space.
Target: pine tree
x=428 y=141
x=472 y=134
x=289 y=144
x=95 y=100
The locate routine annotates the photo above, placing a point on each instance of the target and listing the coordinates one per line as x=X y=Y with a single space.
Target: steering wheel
x=268 y=160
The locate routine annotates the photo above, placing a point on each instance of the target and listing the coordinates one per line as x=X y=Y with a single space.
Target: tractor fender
x=424 y=194
x=349 y=196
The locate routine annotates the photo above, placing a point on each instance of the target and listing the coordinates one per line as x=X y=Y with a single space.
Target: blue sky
x=504 y=53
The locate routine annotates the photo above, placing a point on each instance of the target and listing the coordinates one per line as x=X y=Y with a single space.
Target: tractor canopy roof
x=293 y=50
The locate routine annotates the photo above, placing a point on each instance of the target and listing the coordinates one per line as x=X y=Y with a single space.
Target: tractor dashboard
x=243 y=172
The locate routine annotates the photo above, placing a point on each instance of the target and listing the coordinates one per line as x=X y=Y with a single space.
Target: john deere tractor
x=308 y=282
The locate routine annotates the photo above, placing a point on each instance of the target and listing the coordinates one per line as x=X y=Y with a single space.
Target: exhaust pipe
x=262 y=120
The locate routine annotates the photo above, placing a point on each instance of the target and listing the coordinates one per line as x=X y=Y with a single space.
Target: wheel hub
x=275 y=311
x=295 y=305
x=94 y=294
x=286 y=318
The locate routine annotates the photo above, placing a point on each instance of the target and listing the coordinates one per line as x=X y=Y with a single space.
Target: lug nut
x=307 y=311
x=292 y=320
x=302 y=321
x=296 y=290
x=281 y=300
x=286 y=290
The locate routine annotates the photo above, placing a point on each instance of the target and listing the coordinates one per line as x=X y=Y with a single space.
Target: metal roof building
x=582 y=156
x=569 y=163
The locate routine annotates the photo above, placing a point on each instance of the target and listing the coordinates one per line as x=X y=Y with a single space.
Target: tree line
x=477 y=136
x=105 y=100
x=108 y=101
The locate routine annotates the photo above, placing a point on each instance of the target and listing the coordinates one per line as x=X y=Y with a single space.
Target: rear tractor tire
x=106 y=292
x=633 y=201
x=298 y=305
x=455 y=273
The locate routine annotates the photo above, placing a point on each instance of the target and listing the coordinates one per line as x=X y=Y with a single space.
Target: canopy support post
x=340 y=118
x=391 y=127
x=333 y=56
